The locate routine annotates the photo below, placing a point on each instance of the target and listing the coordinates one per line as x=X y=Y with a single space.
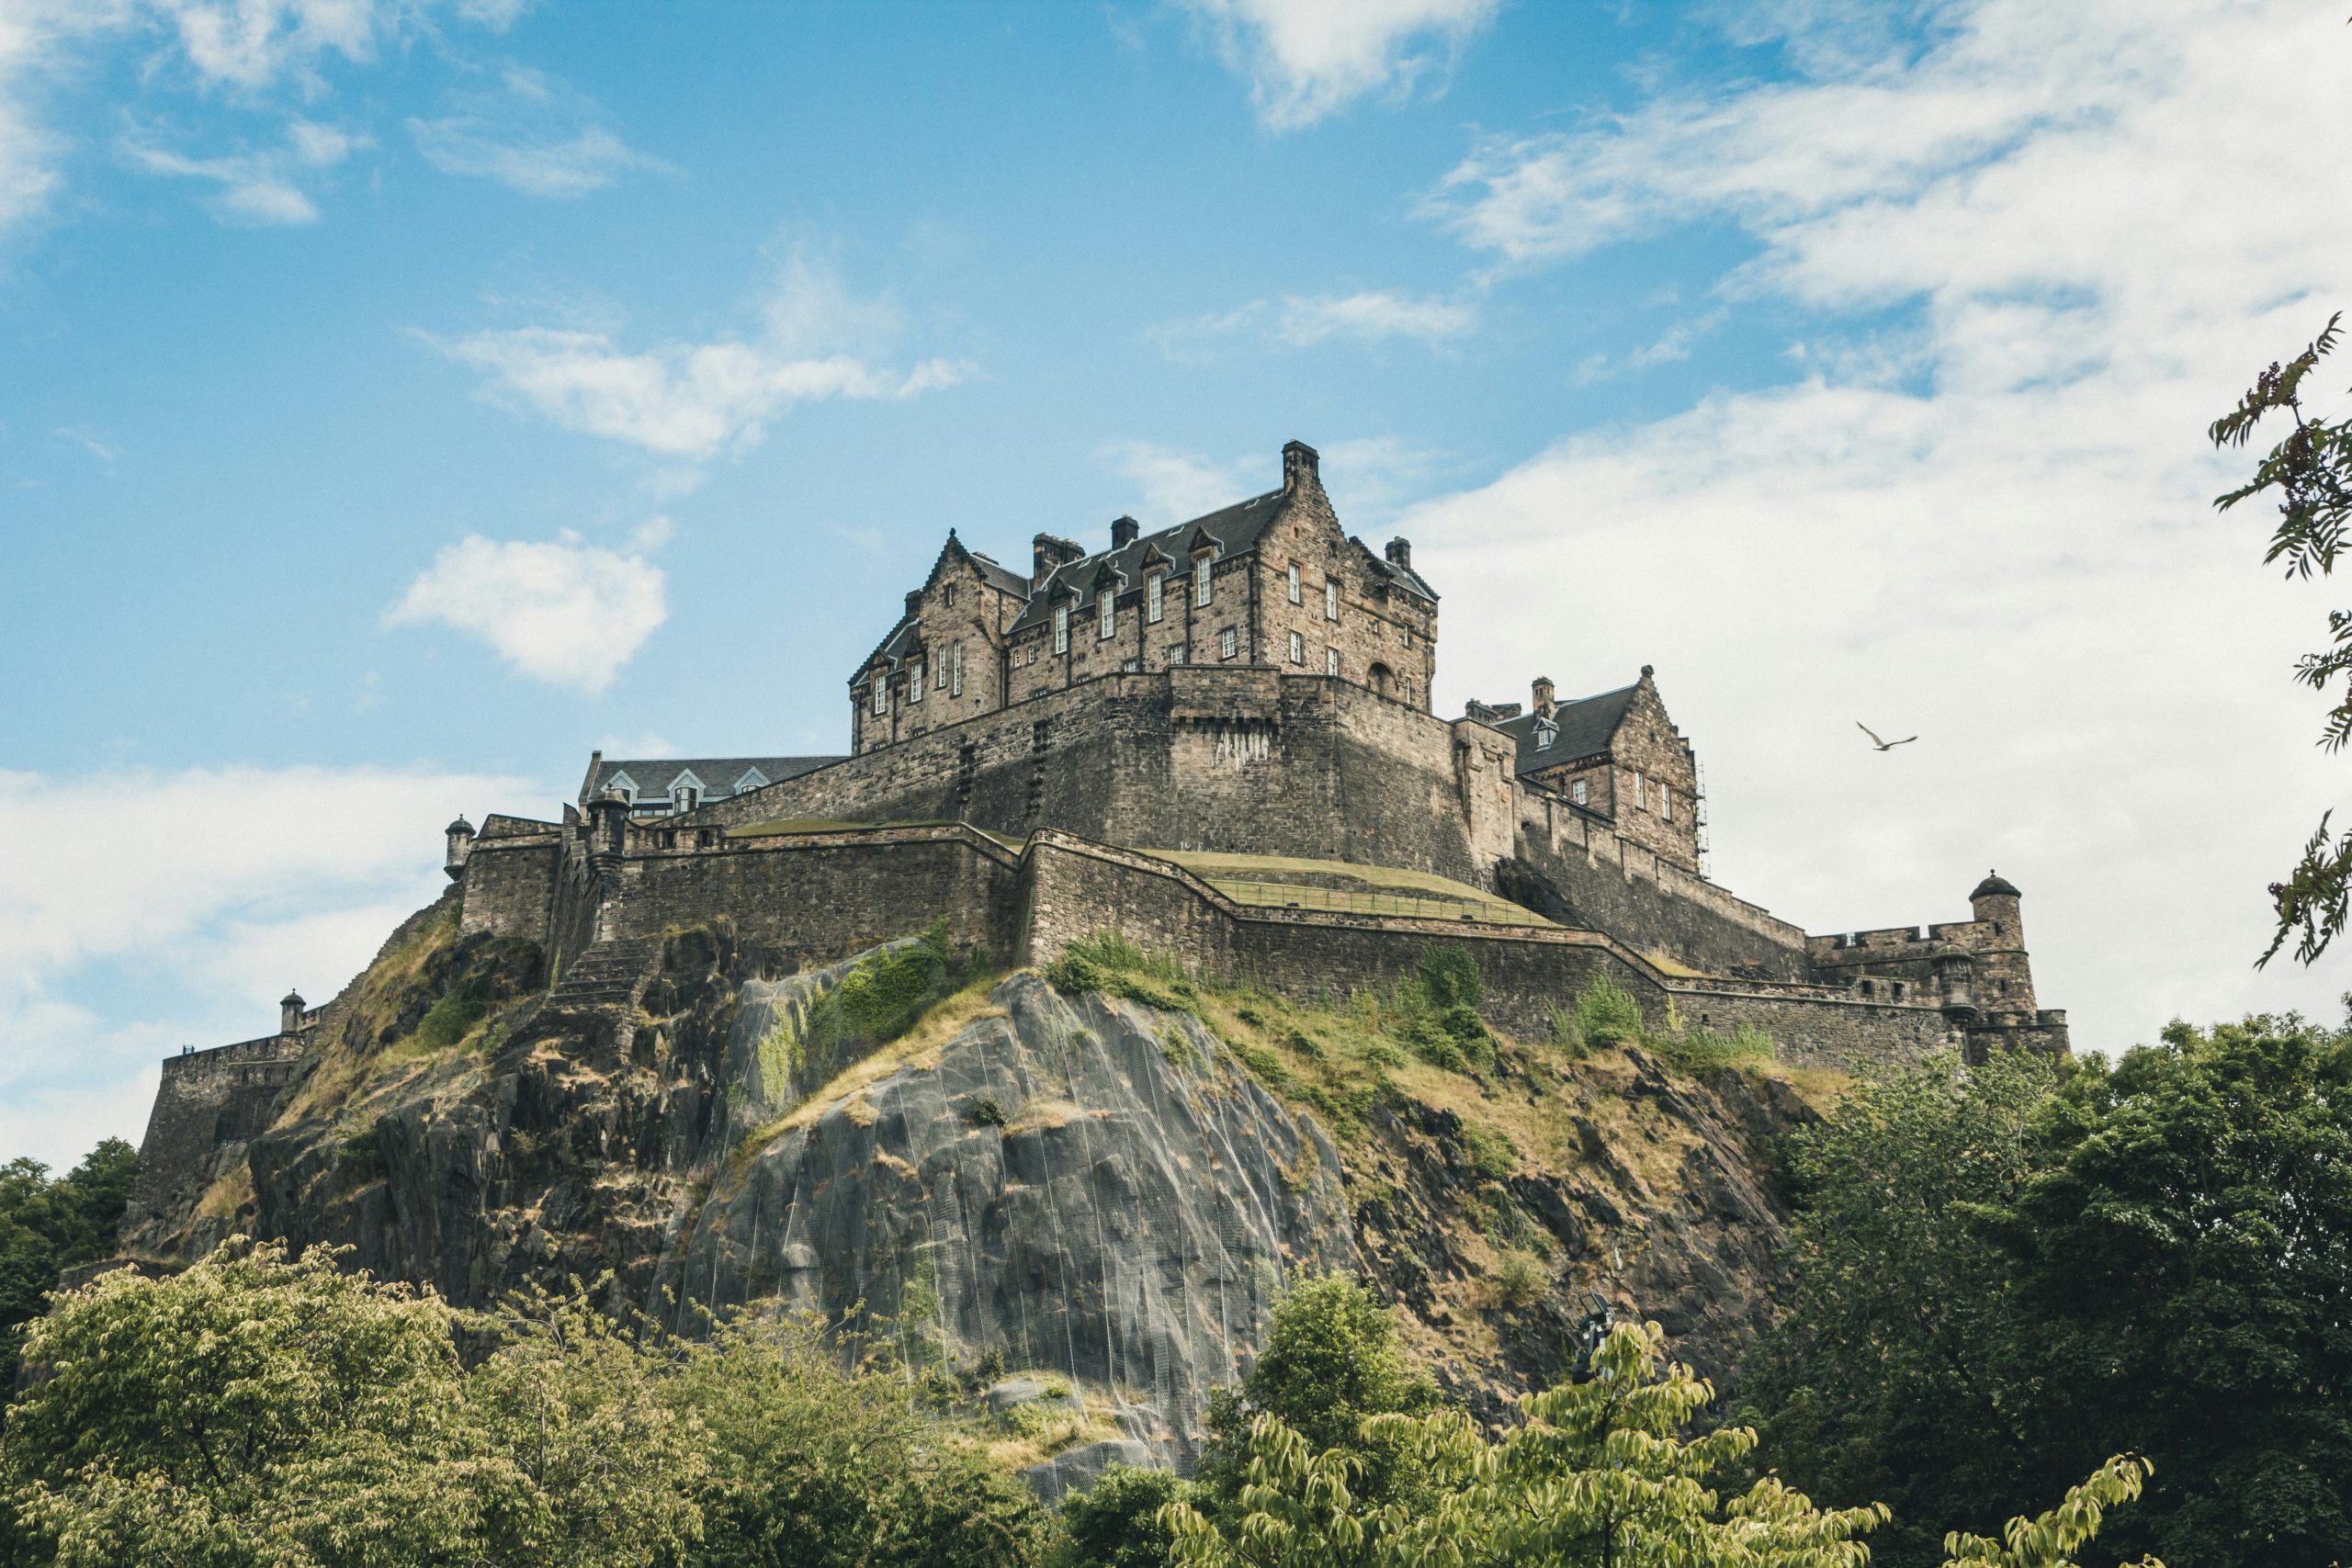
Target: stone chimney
x=1400 y=552
x=1543 y=696
x=461 y=844
x=1298 y=463
x=1124 y=531
x=914 y=601
x=1052 y=550
x=290 y=1012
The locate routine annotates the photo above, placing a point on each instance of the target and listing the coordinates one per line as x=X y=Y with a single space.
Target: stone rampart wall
x=510 y=885
x=1598 y=879
x=813 y=898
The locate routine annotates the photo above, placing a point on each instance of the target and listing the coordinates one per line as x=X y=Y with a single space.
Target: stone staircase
x=607 y=974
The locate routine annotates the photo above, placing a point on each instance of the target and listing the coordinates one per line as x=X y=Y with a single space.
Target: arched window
x=1384 y=679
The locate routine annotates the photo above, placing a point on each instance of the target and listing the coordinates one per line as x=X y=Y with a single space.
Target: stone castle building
x=1219 y=739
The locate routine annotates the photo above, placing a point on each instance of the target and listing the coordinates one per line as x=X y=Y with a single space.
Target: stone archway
x=1384 y=679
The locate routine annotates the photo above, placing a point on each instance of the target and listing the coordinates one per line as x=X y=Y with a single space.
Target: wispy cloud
x=561 y=611
x=258 y=188
x=695 y=400
x=1305 y=59
x=532 y=135
x=1300 y=320
x=88 y=442
x=2096 y=216
x=1172 y=484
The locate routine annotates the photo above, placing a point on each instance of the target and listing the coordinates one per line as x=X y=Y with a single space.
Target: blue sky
x=399 y=399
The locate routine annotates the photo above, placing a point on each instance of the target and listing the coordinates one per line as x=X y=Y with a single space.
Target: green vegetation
x=453 y=1017
x=260 y=1411
x=2002 y=1270
x=48 y=1226
x=881 y=997
x=1701 y=1048
x=1281 y=880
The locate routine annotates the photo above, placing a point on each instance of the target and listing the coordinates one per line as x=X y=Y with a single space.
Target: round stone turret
x=461 y=844
x=290 y=1012
x=1994 y=885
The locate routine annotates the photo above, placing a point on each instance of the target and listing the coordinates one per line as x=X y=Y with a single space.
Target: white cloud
x=1173 y=486
x=1304 y=319
x=1307 y=58
x=564 y=612
x=696 y=400
x=140 y=893
x=532 y=135
x=250 y=43
x=259 y=187
x=1990 y=523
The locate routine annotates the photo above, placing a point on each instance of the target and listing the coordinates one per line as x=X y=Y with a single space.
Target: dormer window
x=1330 y=600
x=1106 y=612
x=752 y=779
x=1061 y=629
x=1200 y=580
x=1152 y=607
x=624 y=786
x=1545 y=733
x=1580 y=793
x=1293 y=583
x=686 y=793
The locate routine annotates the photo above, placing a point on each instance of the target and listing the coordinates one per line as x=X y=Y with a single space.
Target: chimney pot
x=1400 y=552
x=914 y=600
x=1124 y=531
x=1542 y=694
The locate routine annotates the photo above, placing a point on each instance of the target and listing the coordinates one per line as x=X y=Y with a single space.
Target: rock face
x=1087 y=1201
x=1079 y=1185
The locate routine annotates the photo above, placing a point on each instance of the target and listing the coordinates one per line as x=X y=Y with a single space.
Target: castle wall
x=510 y=885
x=1233 y=759
x=207 y=1107
x=814 y=899
x=1816 y=1027
x=1593 y=876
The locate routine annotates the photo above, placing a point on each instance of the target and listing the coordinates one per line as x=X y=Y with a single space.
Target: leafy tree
x=250 y=1411
x=2182 y=1262
x=813 y=1466
x=1895 y=1371
x=2310 y=474
x=1330 y=1361
x=48 y=1226
x=1118 y=1522
x=2004 y=1275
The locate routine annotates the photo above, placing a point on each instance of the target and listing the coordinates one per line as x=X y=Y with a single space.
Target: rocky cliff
x=1087 y=1185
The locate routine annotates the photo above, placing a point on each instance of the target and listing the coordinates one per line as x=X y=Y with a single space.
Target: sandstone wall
x=510 y=884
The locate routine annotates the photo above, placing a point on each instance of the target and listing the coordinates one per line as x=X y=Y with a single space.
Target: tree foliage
x=1599 y=1474
x=2004 y=1275
x=2309 y=473
x=48 y=1226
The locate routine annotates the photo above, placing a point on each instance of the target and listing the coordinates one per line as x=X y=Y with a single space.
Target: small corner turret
x=290 y=1012
x=461 y=836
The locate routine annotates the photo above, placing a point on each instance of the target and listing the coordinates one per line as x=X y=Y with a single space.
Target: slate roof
x=653 y=776
x=1586 y=727
x=1235 y=528
x=999 y=575
x=1404 y=576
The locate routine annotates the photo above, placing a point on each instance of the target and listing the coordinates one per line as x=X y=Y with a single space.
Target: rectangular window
x=1577 y=793
x=1201 y=581
x=1176 y=654
x=1405 y=690
x=1331 y=661
x=1132 y=665
x=1330 y=601
x=1297 y=648
x=1107 y=613
x=1151 y=595
x=1666 y=802
x=881 y=695
x=1641 y=793
x=948 y=595
x=955 y=670
x=1293 y=583
x=1228 y=641
x=914 y=681
x=1061 y=629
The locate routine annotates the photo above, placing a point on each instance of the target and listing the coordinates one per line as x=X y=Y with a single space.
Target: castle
x=1217 y=738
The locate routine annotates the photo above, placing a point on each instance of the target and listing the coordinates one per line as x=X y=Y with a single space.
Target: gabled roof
x=1404 y=577
x=992 y=572
x=1234 y=529
x=657 y=777
x=1583 y=728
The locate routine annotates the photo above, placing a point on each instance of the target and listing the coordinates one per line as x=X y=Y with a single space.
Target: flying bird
x=1883 y=745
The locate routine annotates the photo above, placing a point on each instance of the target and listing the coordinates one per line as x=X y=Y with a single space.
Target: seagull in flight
x=1883 y=745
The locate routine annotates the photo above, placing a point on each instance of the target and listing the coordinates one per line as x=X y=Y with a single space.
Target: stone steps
x=608 y=973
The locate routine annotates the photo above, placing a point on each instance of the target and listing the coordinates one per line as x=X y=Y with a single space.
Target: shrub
x=1491 y=1152
x=1450 y=975
x=1115 y=1523
x=1106 y=961
x=450 y=1019
x=1520 y=1280
x=1608 y=1015
x=987 y=1113
x=1745 y=1048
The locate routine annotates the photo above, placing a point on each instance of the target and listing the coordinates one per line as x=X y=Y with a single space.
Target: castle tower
x=2003 y=975
x=461 y=844
x=290 y=1012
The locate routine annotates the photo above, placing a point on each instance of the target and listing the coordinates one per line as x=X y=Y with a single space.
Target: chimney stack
x=1051 y=550
x=1400 y=552
x=1124 y=531
x=1298 y=462
x=1543 y=696
x=914 y=600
